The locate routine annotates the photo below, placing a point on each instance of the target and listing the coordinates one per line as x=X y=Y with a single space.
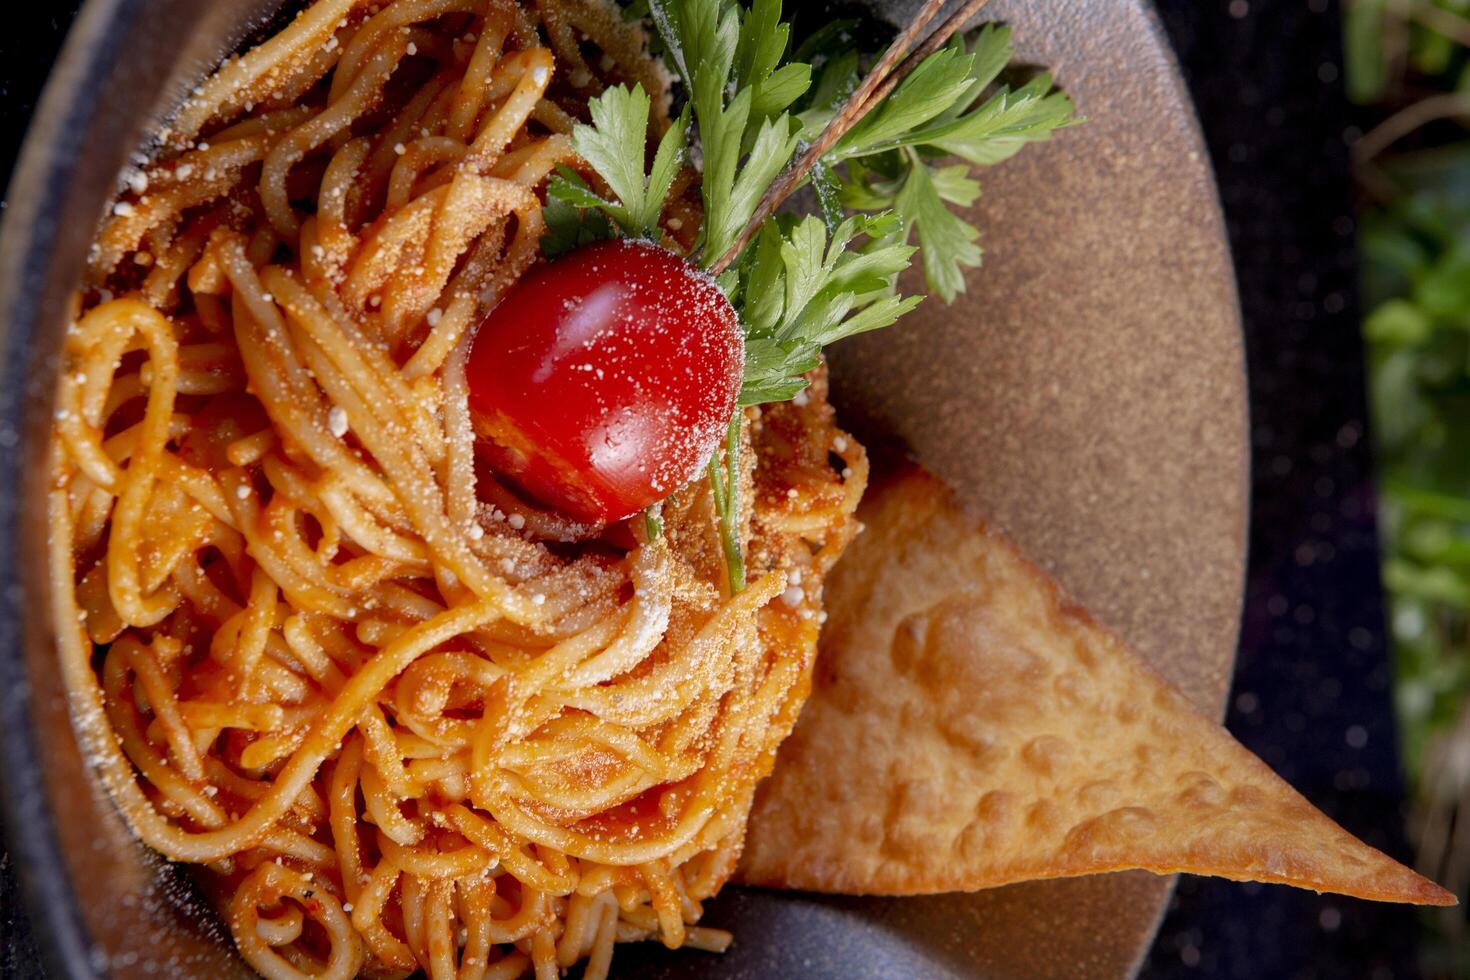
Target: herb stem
x=938 y=39
x=653 y=525
x=725 y=485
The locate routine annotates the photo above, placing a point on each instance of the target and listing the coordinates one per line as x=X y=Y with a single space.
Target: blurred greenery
x=1389 y=42
x=1408 y=65
x=1417 y=283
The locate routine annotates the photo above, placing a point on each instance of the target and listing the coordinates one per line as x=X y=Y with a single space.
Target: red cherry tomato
x=604 y=379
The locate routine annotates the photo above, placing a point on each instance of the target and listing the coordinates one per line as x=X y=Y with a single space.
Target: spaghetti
x=402 y=719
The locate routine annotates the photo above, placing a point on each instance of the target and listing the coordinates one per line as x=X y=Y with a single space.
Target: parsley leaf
x=615 y=145
x=946 y=241
x=940 y=82
x=1003 y=124
x=730 y=59
x=837 y=78
x=802 y=288
x=568 y=226
x=662 y=13
x=955 y=185
x=949 y=105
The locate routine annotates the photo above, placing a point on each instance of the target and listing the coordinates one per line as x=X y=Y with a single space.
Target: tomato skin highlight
x=604 y=379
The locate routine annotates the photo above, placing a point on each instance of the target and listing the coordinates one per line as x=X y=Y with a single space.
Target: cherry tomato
x=604 y=380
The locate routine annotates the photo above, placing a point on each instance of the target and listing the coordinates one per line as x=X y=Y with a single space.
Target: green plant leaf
x=615 y=145
x=947 y=243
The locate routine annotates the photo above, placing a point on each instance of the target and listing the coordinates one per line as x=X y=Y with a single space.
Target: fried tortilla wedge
x=970 y=727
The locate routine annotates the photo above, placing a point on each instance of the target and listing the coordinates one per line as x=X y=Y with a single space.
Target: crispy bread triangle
x=970 y=727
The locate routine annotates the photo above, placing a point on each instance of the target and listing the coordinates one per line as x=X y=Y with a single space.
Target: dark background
x=1312 y=686
x=1313 y=681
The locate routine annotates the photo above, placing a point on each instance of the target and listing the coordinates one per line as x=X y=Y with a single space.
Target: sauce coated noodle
x=402 y=720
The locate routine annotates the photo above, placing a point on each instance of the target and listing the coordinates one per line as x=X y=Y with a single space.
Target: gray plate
x=1087 y=394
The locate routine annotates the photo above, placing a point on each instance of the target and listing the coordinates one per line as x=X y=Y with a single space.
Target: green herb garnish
x=800 y=284
x=798 y=291
x=614 y=146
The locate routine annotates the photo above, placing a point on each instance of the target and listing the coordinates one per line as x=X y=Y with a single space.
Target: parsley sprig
x=800 y=284
x=895 y=158
x=799 y=290
x=614 y=145
x=730 y=59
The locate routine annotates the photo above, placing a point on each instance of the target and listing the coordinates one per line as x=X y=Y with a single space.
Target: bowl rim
x=43 y=194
